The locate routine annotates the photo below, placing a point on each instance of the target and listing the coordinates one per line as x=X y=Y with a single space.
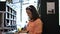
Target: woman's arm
x=38 y=27
x=26 y=29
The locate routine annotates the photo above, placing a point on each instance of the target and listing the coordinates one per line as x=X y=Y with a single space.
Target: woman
x=35 y=24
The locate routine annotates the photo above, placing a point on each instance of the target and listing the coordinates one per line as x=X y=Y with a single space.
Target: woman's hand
x=23 y=31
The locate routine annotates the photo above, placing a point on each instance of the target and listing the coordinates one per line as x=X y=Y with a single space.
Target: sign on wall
x=50 y=7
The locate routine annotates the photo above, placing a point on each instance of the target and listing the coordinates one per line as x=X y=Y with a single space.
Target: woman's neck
x=31 y=20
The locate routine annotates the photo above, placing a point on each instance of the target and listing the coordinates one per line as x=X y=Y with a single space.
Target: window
x=8 y=8
x=7 y=21
x=7 y=15
x=11 y=22
x=15 y=12
x=11 y=16
x=11 y=10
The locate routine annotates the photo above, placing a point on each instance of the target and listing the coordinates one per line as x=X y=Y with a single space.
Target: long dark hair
x=34 y=12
